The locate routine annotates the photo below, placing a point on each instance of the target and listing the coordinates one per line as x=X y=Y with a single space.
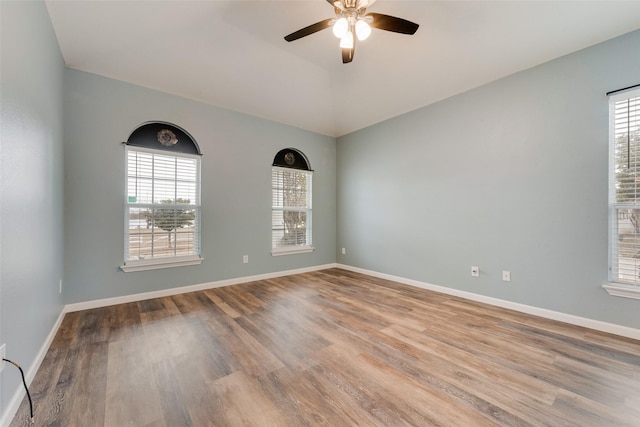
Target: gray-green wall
x=509 y=176
x=238 y=151
x=31 y=185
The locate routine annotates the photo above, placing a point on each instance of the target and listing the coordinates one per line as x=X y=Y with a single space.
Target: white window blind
x=624 y=194
x=291 y=210
x=162 y=218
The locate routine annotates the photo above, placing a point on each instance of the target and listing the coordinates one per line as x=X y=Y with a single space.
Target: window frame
x=133 y=265
x=615 y=285
x=308 y=246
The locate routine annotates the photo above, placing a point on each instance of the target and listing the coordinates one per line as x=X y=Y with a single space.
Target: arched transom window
x=162 y=203
x=291 y=218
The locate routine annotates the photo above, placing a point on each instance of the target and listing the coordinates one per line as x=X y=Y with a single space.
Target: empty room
x=319 y=212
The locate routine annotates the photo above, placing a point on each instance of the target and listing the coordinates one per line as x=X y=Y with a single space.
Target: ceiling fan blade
x=391 y=23
x=313 y=28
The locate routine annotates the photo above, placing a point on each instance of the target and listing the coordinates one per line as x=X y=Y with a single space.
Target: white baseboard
x=14 y=404
x=597 y=325
x=16 y=399
x=190 y=288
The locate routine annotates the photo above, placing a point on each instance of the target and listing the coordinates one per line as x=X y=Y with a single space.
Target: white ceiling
x=232 y=53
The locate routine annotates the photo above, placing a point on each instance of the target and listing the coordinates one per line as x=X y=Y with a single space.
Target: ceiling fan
x=350 y=19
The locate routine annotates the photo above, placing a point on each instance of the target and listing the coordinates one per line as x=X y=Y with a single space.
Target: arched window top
x=163 y=136
x=291 y=158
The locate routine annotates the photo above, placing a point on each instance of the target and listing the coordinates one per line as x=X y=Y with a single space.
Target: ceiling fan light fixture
x=351 y=20
x=340 y=28
x=363 y=29
x=346 y=42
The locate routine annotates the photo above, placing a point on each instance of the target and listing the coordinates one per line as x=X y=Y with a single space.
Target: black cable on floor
x=24 y=382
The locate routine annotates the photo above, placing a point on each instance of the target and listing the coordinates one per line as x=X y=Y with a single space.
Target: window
x=624 y=193
x=162 y=207
x=291 y=183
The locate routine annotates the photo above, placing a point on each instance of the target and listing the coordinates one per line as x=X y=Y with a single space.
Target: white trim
x=597 y=325
x=155 y=264
x=290 y=250
x=624 y=94
x=308 y=210
x=167 y=153
x=189 y=288
x=196 y=207
x=614 y=257
x=15 y=401
x=14 y=404
x=284 y=169
x=622 y=290
x=12 y=408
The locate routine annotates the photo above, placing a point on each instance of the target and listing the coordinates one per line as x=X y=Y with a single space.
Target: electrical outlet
x=475 y=271
x=245 y=259
x=344 y=251
x=3 y=353
x=506 y=276
x=60 y=287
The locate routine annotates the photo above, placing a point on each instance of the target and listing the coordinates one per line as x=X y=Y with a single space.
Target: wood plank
x=132 y=398
x=174 y=409
x=243 y=403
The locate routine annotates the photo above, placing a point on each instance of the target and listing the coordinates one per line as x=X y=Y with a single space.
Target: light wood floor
x=330 y=348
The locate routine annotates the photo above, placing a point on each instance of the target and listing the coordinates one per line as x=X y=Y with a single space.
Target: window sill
x=621 y=290
x=133 y=266
x=292 y=250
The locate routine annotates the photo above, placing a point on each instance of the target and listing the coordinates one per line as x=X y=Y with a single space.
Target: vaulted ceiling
x=232 y=53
